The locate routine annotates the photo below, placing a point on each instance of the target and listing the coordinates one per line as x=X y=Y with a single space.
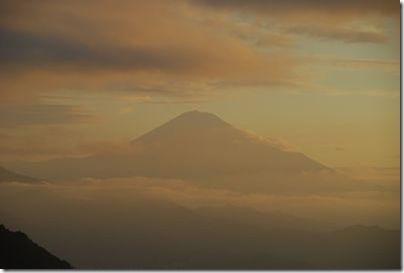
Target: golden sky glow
x=82 y=77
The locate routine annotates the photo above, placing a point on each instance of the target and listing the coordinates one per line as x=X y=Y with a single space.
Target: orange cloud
x=93 y=45
x=346 y=21
x=343 y=34
x=387 y=7
x=17 y=115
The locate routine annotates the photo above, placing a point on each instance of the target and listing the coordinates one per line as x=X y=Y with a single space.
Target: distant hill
x=263 y=219
x=144 y=233
x=9 y=176
x=17 y=251
x=359 y=247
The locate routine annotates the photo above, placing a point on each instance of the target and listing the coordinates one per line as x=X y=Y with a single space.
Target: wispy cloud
x=347 y=35
x=18 y=115
x=344 y=6
x=366 y=207
x=346 y=21
x=152 y=43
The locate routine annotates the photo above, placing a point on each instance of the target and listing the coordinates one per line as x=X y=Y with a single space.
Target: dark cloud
x=362 y=6
x=159 y=46
x=17 y=115
x=23 y=48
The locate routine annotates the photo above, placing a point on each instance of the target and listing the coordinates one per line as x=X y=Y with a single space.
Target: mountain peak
x=187 y=123
x=199 y=118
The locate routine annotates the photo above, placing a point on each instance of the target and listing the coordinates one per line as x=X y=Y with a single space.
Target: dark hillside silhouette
x=17 y=251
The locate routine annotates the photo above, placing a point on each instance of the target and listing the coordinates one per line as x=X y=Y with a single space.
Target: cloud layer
x=346 y=209
x=96 y=45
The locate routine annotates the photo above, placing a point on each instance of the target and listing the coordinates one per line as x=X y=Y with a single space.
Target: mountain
x=359 y=247
x=145 y=233
x=268 y=220
x=17 y=251
x=203 y=144
x=9 y=176
x=202 y=148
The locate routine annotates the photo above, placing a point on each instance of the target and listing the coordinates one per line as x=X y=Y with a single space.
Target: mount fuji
x=202 y=148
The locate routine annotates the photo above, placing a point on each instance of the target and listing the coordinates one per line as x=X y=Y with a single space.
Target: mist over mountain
x=110 y=230
x=202 y=148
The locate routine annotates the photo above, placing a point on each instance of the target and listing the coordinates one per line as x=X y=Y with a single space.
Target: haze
x=128 y=127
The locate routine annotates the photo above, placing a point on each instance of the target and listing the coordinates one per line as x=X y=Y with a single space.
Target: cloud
x=169 y=52
x=18 y=115
x=275 y=40
x=349 y=208
x=388 y=65
x=277 y=143
x=156 y=45
x=19 y=48
x=346 y=21
x=385 y=176
x=15 y=146
x=92 y=46
x=340 y=34
x=359 y=6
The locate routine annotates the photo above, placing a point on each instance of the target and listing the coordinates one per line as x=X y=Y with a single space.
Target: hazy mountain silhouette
x=17 y=251
x=204 y=145
x=359 y=247
x=9 y=176
x=151 y=234
x=154 y=234
x=202 y=148
x=264 y=219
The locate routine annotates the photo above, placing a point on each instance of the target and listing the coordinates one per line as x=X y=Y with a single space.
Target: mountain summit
x=184 y=124
x=198 y=119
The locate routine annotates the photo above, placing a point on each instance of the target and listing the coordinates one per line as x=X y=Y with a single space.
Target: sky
x=86 y=77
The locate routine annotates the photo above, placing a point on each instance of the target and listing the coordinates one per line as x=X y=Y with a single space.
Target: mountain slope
x=205 y=144
x=17 y=251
